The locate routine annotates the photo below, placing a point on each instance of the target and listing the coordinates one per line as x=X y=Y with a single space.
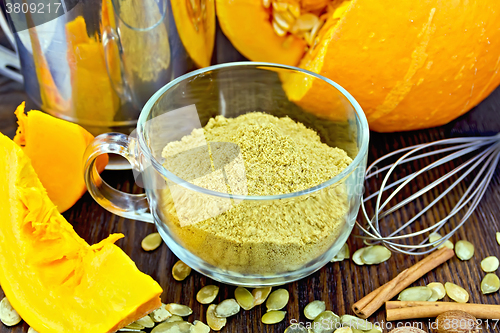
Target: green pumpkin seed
x=490 y=283
x=180 y=271
x=343 y=330
x=244 y=298
x=435 y=236
x=134 y=326
x=200 y=327
x=146 y=321
x=313 y=309
x=31 y=330
x=356 y=257
x=160 y=314
x=375 y=254
x=456 y=293
x=438 y=288
x=434 y=297
x=342 y=255
x=207 y=294
x=277 y=300
x=213 y=321
x=173 y=327
x=178 y=309
x=355 y=322
x=464 y=250
x=151 y=242
x=296 y=328
x=8 y=315
x=490 y=264
x=325 y=322
x=417 y=294
x=260 y=295
x=273 y=317
x=498 y=238
x=227 y=308
x=174 y=318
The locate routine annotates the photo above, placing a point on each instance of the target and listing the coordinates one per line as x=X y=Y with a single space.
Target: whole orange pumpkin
x=410 y=64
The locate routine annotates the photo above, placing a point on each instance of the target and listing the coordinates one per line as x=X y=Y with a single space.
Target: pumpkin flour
x=255 y=154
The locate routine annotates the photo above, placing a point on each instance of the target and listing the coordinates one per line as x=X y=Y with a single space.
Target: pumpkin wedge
x=52 y=277
x=56 y=148
x=409 y=64
x=195 y=22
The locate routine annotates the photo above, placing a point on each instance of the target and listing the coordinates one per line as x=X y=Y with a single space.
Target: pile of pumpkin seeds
x=435 y=237
x=371 y=255
x=433 y=292
x=490 y=282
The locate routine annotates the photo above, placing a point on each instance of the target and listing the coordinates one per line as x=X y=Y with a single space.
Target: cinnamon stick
x=366 y=306
x=398 y=310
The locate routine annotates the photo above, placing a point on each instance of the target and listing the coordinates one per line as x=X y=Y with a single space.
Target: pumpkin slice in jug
x=195 y=22
x=52 y=277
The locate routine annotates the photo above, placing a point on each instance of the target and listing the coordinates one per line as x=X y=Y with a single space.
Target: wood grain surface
x=338 y=284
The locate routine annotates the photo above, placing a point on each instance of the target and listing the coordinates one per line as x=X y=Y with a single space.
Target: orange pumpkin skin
x=56 y=148
x=409 y=64
x=52 y=277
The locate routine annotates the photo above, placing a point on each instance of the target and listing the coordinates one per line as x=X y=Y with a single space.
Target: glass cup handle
x=130 y=206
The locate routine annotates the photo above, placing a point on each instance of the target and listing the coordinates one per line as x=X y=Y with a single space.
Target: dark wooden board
x=338 y=284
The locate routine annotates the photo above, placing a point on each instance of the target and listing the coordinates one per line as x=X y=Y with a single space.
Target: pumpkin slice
x=248 y=25
x=195 y=22
x=56 y=148
x=52 y=277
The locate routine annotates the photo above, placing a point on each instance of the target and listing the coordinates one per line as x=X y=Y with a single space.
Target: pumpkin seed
x=490 y=283
x=173 y=327
x=8 y=315
x=325 y=322
x=356 y=257
x=266 y=3
x=227 y=308
x=456 y=293
x=180 y=271
x=280 y=6
x=260 y=295
x=160 y=314
x=498 y=238
x=435 y=237
x=355 y=322
x=294 y=9
x=278 y=30
x=490 y=264
x=343 y=254
x=207 y=294
x=200 y=327
x=134 y=326
x=313 y=309
x=146 y=321
x=174 y=318
x=31 y=330
x=343 y=330
x=464 y=250
x=415 y=294
x=296 y=328
x=434 y=297
x=178 y=309
x=277 y=300
x=244 y=298
x=273 y=317
x=306 y=21
x=213 y=321
x=151 y=242
x=375 y=254
x=438 y=288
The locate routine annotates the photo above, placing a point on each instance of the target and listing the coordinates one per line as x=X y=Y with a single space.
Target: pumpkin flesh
x=52 y=277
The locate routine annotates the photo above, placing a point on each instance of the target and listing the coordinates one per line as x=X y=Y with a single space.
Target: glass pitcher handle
x=130 y=206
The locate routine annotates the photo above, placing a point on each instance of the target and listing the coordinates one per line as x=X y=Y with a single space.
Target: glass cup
x=197 y=193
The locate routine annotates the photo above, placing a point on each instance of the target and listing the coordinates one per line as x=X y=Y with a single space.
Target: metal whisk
x=484 y=160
